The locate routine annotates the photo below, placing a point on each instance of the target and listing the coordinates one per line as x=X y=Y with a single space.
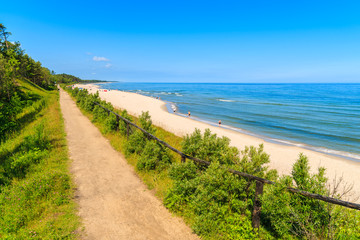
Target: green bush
x=214 y=196
x=138 y=140
x=220 y=202
x=210 y=148
x=183 y=171
x=99 y=114
x=135 y=144
x=154 y=156
x=253 y=161
x=122 y=124
x=111 y=123
x=89 y=100
x=146 y=123
x=81 y=95
x=291 y=214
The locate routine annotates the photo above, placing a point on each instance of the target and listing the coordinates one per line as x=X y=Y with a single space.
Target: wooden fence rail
x=259 y=181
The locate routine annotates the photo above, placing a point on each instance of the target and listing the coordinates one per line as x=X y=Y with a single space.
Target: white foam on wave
x=225 y=100
x=337 y=153
x=142 y=92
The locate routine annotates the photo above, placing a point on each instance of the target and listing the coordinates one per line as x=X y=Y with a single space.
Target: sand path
x=113 y=202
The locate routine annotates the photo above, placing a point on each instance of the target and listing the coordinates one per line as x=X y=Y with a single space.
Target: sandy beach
x=282 y=157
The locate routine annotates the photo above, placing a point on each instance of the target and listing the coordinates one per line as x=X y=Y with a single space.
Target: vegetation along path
x=113 y=202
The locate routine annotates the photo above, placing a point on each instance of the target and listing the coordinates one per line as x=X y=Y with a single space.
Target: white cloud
x=108 y=65
x=93 y=73
x=99 y=59
x=88 y=53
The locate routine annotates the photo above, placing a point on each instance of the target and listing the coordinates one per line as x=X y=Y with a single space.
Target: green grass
x=37 y=199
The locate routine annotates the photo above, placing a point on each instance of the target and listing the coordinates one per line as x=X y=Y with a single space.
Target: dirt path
x=113 y=202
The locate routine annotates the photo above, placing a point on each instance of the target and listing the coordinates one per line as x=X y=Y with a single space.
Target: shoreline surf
x=332 y=152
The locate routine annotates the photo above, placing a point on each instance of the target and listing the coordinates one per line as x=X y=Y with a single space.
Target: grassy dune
x=36 y=191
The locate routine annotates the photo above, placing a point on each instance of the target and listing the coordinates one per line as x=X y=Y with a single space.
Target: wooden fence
x=258 y=180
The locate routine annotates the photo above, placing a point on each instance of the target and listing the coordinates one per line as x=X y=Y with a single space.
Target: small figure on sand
x=219 y=122
x=189 y=113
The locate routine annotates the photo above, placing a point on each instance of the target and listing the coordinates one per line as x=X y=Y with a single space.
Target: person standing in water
x=219 y=122
x=189 y=114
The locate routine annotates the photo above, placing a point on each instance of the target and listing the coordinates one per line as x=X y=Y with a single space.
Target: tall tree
x=4 y=34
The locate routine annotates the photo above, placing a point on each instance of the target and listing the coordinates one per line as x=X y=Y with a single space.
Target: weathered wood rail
x=258 y=180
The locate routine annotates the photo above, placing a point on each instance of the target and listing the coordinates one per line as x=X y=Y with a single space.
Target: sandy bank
x=282 y=157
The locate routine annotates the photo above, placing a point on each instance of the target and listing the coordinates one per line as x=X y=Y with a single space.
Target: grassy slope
x=39 y=204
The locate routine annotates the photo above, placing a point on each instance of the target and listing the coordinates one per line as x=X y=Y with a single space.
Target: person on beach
x=219 y=122
x=189 y=114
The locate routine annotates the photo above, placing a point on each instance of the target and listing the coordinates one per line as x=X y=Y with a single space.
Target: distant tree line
x=67 y=78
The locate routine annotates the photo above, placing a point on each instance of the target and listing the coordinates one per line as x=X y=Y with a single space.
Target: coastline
x=282 y=156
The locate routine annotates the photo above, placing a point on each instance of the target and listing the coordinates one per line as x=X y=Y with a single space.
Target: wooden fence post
x=257 y=204
x=117 y=122
x=127 y=130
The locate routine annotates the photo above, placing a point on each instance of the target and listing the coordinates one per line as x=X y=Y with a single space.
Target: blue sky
x=191 y=41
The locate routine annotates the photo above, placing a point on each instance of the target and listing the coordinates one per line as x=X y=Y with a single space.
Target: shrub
x=99 y=114
x=215 y=197
x=81 y=95
x=253 y=161
x=88 y=103
x=111 y=123
x=185 y=176
x=221 y=202
x=293 y=214
x=153 y=157
x=183 y=171
x=122 y=124
x=146 y=123
x=210 y=148
x=135 y=144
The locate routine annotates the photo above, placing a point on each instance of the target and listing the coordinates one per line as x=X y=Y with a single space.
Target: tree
x=3 y=34
x=8 y=73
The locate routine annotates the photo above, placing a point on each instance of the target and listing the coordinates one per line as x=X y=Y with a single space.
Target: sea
x=319 y=117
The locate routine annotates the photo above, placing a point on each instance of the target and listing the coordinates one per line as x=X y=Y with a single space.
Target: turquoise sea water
x=321 y=117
